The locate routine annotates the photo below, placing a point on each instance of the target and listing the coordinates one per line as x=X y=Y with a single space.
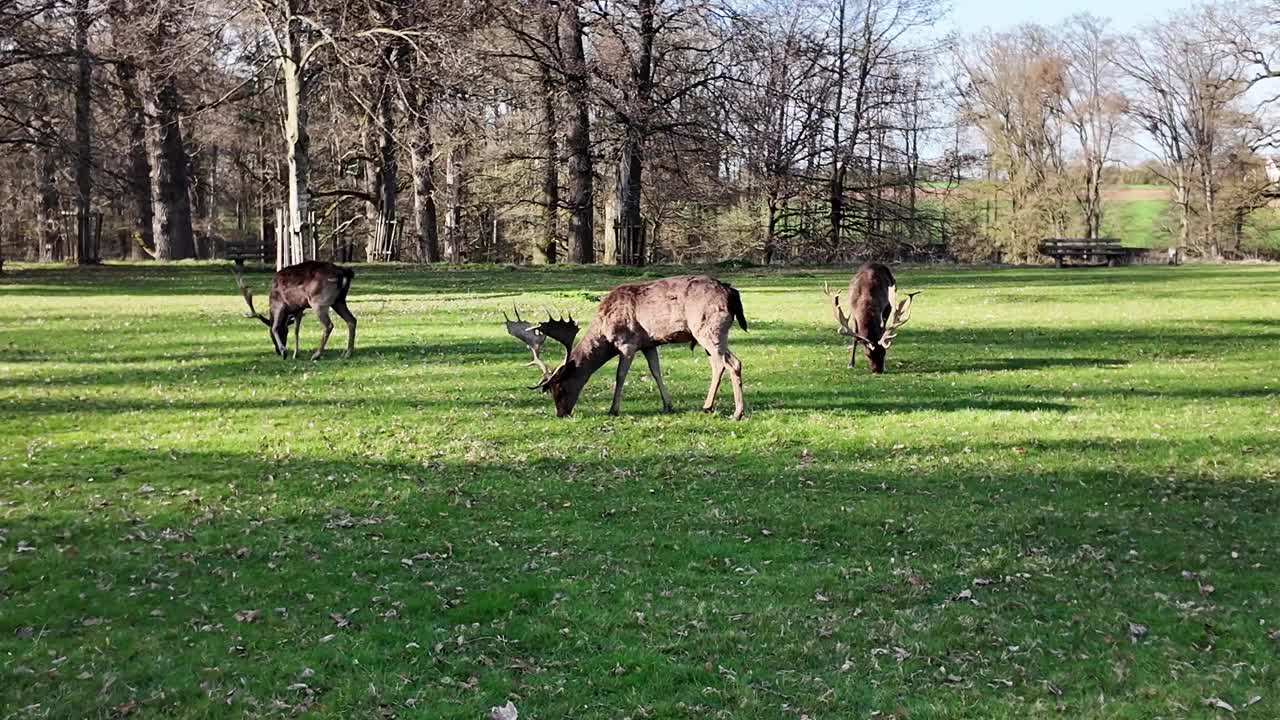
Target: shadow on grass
x=410 y=554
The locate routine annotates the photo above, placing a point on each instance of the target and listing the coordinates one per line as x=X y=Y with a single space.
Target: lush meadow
x=1062 y=500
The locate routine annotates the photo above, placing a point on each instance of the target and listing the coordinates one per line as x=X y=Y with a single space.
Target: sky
x=973 y=15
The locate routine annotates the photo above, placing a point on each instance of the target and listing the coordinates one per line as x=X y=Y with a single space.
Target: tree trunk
x=46 y=205
x=387 y=172
x=139 y=179
x=1210 y=211
x=455 y=192
x=630 y=171
x=85 y=251
x=171 y=203
x=771 y=231
x=544 y=251
x=297 y=137
x=421 y=150
x=578 y=140
x=610 y=244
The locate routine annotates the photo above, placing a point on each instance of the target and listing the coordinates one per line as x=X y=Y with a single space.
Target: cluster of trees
x=621 y=131
x=1051 y=104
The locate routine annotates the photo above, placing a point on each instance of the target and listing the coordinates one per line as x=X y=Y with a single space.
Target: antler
x=899 y=317
x=842 y=320
x=525 y=332
x=561 y=330
x=238 y=269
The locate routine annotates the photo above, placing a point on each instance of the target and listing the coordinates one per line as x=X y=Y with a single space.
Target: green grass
x=1060 y=501
x=1139 y=223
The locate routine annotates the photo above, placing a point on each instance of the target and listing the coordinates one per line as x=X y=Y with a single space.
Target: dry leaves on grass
x=506 y=712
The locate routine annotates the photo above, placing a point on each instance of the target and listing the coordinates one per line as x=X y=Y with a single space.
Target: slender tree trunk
x=1210 y=213
x=578 y=140
x=85 y=252
x=629 y=178
x=835 y=189
x=630 y=170
x=771 y=230
x=46 y=205
x=609 y=256
x=421 y=151
x=544 y=251
x=294 y=122
x=455 y=197
x=387 y=174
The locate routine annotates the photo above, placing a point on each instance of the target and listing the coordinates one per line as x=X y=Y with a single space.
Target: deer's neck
x=592 y=353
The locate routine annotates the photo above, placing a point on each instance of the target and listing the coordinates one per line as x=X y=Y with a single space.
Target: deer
x=877 y=314
x=639 y=318
x=318 y=286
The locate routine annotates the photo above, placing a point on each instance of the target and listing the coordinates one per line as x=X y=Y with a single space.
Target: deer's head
x=277 y=331
x=896 y=314
x=564 y=383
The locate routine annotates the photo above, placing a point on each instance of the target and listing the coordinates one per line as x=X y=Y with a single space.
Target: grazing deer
x=318 y=286
x=877 y=315
x=696 y=309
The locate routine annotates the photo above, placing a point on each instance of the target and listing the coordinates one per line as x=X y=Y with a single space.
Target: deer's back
x=669 y=310
x=307 y=283
x=869 y=297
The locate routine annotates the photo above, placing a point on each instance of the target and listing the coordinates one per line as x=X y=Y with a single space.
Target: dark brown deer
x=875 y=313
x=312 y=285
x=694 y=309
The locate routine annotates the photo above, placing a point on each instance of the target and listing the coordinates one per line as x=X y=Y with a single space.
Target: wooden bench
x=248 y=250
x=1097 y=251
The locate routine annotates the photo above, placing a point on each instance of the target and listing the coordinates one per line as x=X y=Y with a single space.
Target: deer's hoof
x=315 y=357
x=667 y=409
x=737 y=415
x=708 y=408
x=346 y=356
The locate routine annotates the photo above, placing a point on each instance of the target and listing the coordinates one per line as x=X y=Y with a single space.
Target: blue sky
x=972 y=15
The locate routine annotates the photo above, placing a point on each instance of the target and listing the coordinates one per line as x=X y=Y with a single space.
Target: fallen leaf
x=506 y=712
x=1219 y=703
x=248 y=616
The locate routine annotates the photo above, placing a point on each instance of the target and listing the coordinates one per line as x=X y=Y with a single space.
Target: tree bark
x=294 y=119
x=386 y=177
x=171 y=203
x=85 y=251
x=46 y=205
x=421 y=151
x=578 y=140
x=454 y=199
x=139 y=179
x=630 y=171
x=544 y=251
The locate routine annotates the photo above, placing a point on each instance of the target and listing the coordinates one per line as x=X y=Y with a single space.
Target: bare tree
x=1186 y=86
x=1094 y=107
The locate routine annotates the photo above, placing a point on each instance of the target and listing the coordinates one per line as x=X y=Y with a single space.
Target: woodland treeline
x=616 y=131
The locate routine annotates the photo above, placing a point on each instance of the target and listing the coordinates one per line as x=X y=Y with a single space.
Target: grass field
x=1062 y=500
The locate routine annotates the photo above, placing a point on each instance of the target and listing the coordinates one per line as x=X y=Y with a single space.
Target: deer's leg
x=297 y=331
x=624 y=365
x=735 y=376
x=345 y=313
x=280 y=334
x=322 y=314
x=853 y=355
x=651 y=355
x=717 y=371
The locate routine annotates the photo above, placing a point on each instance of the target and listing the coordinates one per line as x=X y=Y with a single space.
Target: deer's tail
x=347 y=276
x=735 y=306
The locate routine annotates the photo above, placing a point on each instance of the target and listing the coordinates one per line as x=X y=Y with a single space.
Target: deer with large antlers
x=876 y=313
x=638 y=318
x=318 y=286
